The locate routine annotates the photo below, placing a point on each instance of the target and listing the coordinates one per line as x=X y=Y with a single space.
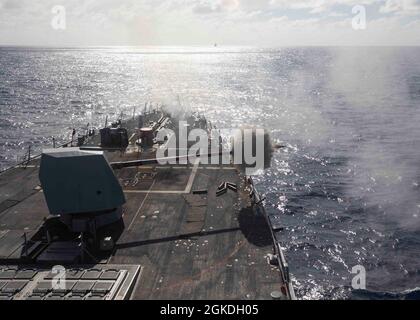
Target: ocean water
x=346 y=188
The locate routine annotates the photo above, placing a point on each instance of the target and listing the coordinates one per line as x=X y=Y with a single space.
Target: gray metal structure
x=76 y=181
x=115 y=224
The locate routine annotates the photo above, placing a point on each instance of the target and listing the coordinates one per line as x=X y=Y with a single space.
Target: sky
x=264 y=23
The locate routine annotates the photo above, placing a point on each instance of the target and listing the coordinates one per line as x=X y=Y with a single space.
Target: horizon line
x=201 y=46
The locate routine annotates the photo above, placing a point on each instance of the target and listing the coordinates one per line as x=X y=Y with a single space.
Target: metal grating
x=103 y=282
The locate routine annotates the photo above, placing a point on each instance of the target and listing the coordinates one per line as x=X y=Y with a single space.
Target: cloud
x=229 y=4
x=208 y=7
x=402 y=7
x=204 y=8
x=11 y=4
x=200 y=22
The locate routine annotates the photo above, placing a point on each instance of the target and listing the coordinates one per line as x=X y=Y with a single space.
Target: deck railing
x=28 y=158
x=277 y=249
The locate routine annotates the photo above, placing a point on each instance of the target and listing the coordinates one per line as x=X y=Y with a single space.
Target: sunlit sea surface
x=346 y=188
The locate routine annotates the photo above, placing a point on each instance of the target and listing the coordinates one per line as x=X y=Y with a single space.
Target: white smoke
x=382 y=124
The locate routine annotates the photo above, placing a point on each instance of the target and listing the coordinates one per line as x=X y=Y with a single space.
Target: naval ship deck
x=180 y=240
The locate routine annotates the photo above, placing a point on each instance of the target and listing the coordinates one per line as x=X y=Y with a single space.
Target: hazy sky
x=204 y=22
